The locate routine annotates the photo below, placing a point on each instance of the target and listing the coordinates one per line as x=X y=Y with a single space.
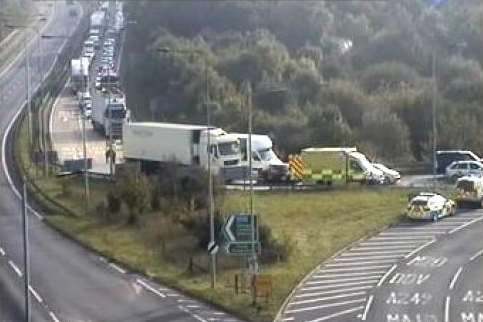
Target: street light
x=167 y=50
x=27 y=74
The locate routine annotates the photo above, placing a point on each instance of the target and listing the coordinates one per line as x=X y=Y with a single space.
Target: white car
x=391 y=175
x=459 y=169
x=430 y=206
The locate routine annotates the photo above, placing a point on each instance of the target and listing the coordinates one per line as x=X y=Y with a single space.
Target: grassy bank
x=317 y=224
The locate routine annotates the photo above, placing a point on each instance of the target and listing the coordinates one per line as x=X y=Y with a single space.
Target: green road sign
x=242 y=248
x=240 y=234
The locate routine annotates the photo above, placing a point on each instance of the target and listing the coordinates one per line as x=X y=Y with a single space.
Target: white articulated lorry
x=109 y=112
x=153 y=144
x=97 y=19
x=79 y=74
x=265 y=162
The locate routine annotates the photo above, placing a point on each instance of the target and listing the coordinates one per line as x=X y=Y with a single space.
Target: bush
x=273 y=248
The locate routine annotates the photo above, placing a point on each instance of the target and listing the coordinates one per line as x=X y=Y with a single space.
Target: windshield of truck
x=229 y=148
x=466 y=185
x=266 y=154
x=116 y=111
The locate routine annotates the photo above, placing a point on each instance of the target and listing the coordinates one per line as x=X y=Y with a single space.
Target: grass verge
x=317 y=224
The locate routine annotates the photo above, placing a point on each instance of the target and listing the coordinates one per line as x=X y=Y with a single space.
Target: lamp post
x=167 y=50
x=27 y=75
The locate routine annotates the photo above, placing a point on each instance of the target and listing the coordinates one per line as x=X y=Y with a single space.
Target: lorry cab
x=264 y=160
x=469 y=190
x=224 y=151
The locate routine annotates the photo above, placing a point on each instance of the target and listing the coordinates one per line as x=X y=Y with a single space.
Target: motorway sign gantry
x=239 y=231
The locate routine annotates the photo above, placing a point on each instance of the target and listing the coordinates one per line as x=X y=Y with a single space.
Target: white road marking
x=466 y=225
x=368 y=307
x=150 y=288
x=54 y=318
x=386 y=275
x=288 y=319
x=325 y=306
x=412 y=233
x=472 y=258
x=325 y=287
x=419 y=248
x=341 y=280
x=346 y=274
x=335 y=270
x=328 y=298
x=455 y=278
x=421 y=238
x=385 y=261
x=196 y=316
x=347 y=258
x=15 y=268
x=446 y=309
x=391 y=252
x=117 y=268
x=382 y=248
x=35 y=294
x=392 y=243
x=333 y=292
x=328 y=317
x=2 y=252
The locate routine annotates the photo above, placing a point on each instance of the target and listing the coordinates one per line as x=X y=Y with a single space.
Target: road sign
x=239 y=232
x=242 y=248
x=212 y=248
x=239 y=228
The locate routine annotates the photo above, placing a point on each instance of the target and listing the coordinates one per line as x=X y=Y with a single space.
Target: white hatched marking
x=328 y=317
x=326 y=287
x=346 y=274
x=329 y=298
x=342 y=280
x=335 y=270
x=304 y=295
x=385 y=261
x=350 y=254
x=325 y=306
x=347 y=259
x=368 y=306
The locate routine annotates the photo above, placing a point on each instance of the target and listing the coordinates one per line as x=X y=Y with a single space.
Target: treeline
x=322 y=73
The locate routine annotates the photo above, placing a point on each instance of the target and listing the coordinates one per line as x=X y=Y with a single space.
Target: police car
x=430 y=206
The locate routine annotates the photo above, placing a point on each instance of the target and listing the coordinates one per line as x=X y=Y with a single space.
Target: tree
x=135 y=191
x=327 y=126
x=387 y=133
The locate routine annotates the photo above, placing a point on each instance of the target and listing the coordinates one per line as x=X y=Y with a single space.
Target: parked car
x=458 y=169
x=391 y=176
x=445 y=158
x=430 y=206
x=469 y=191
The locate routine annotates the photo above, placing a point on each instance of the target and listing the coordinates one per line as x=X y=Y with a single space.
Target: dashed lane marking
x=368 y=307
x=455 y=278
x=150 y=288
x=389 y=272
x=335 y=270
x=472 y=258
x=15 y=268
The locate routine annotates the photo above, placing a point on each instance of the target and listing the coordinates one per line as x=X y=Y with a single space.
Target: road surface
x=69 y=283
x=403 y=274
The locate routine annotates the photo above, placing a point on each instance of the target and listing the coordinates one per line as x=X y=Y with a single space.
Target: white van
x=264 y=160
x=469 y=190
